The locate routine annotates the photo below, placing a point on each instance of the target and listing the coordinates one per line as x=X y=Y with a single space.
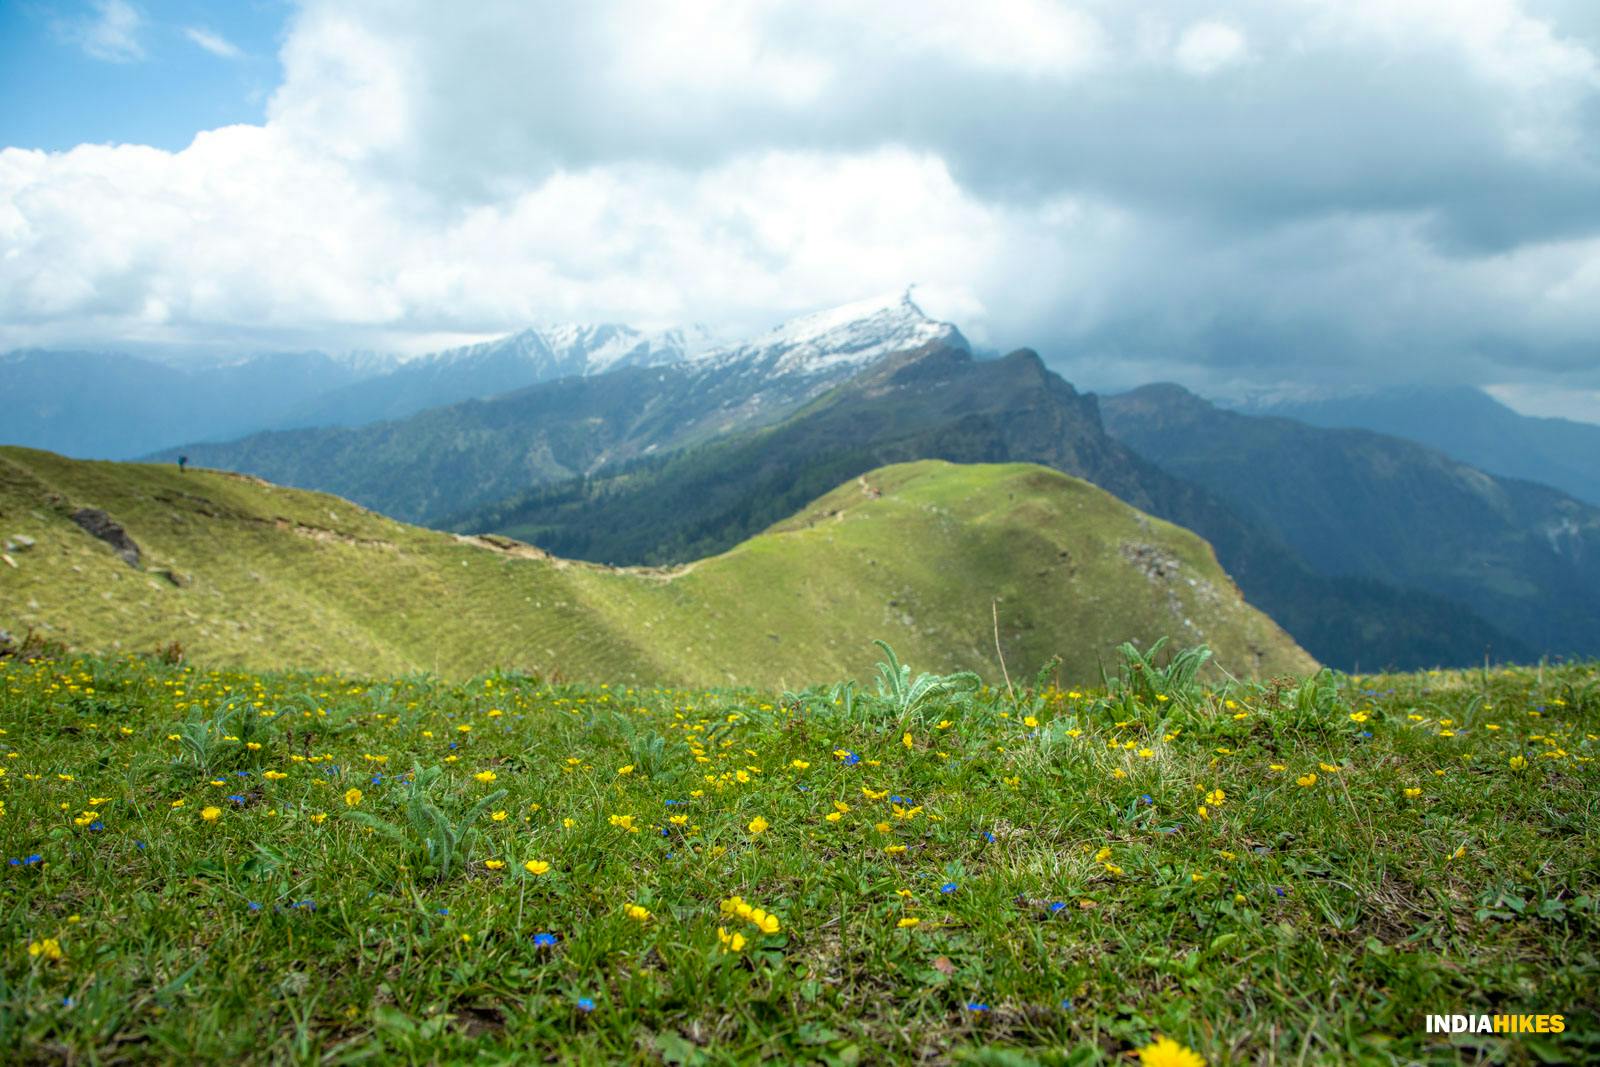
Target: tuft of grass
x=1085 y=869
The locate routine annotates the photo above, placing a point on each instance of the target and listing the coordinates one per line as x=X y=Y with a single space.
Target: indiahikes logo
x=1496 y=1024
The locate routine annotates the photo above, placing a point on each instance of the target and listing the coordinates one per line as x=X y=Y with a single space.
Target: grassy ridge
x=268 y=577
x=210 y=866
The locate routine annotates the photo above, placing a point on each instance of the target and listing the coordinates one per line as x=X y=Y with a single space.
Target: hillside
x=244 y=572
x=1352 y=502
x=937 y=402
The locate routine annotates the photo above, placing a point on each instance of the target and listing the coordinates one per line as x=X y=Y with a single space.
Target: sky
x=1240 y=196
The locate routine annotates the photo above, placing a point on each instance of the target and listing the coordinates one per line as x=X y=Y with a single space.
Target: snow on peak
x=851 y=335
x=578 y=348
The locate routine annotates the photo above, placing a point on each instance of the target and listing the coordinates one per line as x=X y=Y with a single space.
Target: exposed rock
x=97 y=523
x=20 y=543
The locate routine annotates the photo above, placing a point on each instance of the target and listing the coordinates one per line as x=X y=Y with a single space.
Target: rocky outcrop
x=96 y=523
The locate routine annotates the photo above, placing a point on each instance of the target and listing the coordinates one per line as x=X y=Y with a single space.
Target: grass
x=271 y=578
x=1071 y=898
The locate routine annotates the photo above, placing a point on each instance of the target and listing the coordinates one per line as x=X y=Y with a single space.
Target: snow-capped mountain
x=574 y=350
x=658 y=395
x=129 y=406
x=845 y=338
x=488 y=368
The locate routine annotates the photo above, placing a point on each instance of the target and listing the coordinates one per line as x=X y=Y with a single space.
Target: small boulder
x=19 y=543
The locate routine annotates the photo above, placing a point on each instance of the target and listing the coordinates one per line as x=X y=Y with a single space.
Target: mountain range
x=118 y=406
x=445 y=460
x=954 y=566
x=631 y=448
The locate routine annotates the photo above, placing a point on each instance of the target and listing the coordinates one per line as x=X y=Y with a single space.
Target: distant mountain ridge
x=117 y=406
x=1464 y=423
x=1357 y=503
x=446 y=460
x=489 y=368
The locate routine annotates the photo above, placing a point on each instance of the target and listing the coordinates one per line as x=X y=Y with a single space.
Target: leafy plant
x=221 y=739
x=907 y=698
x=437 y=840
x=1143 y=678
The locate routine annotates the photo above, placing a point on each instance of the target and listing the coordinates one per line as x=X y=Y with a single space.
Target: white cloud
x=214 y=43
x=1208 y=47
x=111 y=34
x=1398 y=193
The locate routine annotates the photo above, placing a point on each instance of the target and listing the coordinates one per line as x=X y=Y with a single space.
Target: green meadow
x=209 y=865
x=955 y=565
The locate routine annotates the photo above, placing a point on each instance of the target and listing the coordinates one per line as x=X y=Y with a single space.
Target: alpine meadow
x=1044 y=533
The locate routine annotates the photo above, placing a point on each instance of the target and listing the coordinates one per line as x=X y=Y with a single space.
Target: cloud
x=1339 y=190
x=214 y=43
x=1208 y=47
x=111 y=33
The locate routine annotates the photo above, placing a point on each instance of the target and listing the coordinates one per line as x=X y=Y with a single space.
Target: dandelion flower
x=485 y=776
x=1518 y=763
x=636 y=913
x=731 y=942
x=211 y=813
x=1306 y=780
x=494 y=865
x=1413 y=793
x=907 y=922
x=352 y=796
x=49 y=948
x=536 y=867
x=758 y=825
x=625 y=770
x=500 y=816
x=1165 y=1052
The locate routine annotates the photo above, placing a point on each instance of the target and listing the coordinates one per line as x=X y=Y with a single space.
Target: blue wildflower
x=254 y=905
x=585 y=1004
x=544 y=940
x=947 y=888
x=236 y=798
x=1056 y=906
x=976 y=1006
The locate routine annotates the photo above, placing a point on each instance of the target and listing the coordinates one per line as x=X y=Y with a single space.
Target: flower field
x=206 y=865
